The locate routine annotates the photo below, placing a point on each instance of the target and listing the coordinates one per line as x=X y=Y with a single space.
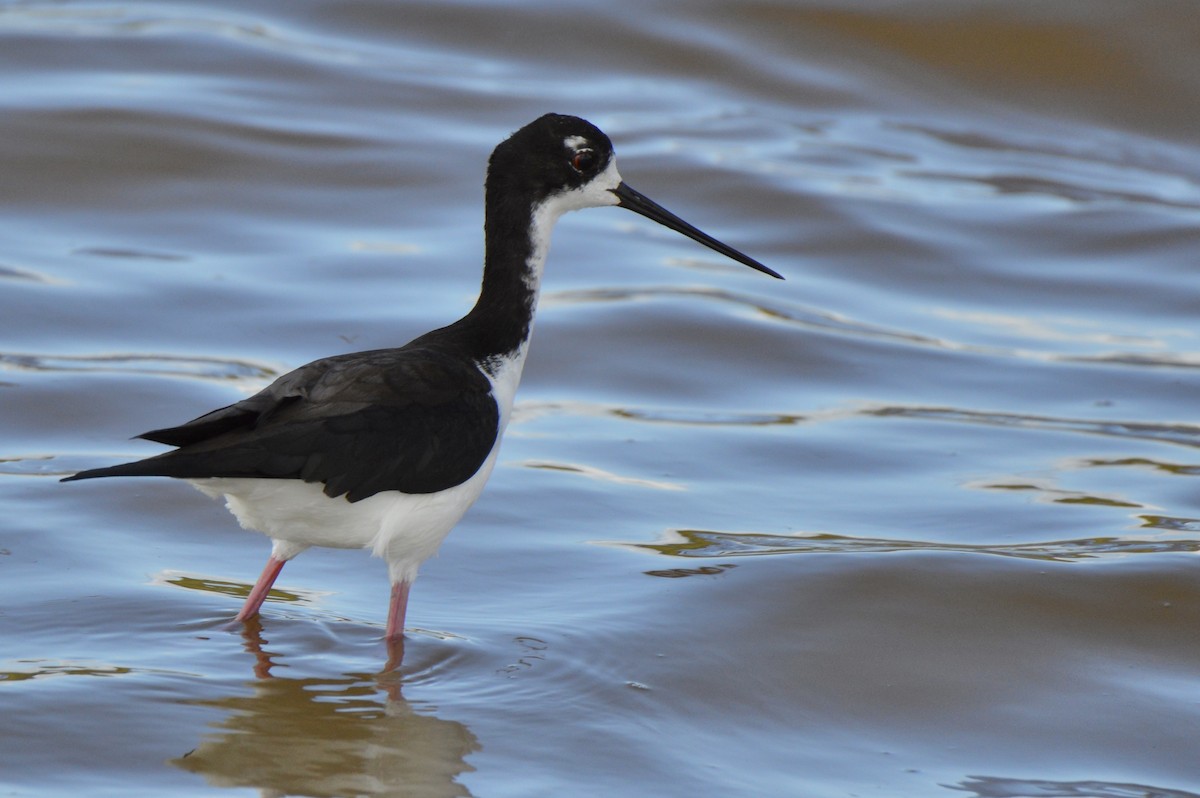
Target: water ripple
x=21 y=670
x=129 y=253
x=131 y=21
x=821 y=320
x=206 y=368
x=527 y=412
x=8 y=272
x=1001 y=787
x=601 y=475
x=1181 y=434
x=1176 y=433
x=226 y=587
x=710 y=543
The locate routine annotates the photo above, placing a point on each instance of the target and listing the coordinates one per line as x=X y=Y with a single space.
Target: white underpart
x=404 y=529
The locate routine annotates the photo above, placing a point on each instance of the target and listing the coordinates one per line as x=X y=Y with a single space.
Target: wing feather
x=416 y=420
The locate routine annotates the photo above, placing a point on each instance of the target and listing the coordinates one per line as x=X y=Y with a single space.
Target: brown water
x=921 y=521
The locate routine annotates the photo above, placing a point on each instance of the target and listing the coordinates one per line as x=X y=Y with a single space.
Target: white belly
x=404 y=529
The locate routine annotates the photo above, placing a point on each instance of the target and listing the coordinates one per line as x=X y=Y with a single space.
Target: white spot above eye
x=575 y=142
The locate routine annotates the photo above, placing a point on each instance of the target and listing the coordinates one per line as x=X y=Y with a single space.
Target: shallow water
x=920 y=521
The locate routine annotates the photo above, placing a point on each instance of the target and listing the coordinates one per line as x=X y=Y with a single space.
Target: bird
x=387 y=449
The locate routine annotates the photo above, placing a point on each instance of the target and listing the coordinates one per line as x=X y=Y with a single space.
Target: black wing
x=413 y=419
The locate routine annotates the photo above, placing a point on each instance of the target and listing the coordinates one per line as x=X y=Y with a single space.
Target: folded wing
x=413 y=420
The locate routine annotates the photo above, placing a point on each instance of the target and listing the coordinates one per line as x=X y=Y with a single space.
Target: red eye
x=583 y=160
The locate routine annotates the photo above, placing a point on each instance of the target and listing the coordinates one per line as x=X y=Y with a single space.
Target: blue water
x=921 y=520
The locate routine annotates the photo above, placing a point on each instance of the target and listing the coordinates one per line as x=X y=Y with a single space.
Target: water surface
x=919 y=521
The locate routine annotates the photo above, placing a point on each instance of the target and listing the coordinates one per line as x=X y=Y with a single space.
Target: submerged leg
x=394 y=637
x=261 y=588
x=395 y=624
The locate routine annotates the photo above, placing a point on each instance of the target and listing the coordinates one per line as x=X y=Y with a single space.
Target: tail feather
x=138 y=468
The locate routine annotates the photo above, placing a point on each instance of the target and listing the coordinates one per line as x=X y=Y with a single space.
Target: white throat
x=596 y=193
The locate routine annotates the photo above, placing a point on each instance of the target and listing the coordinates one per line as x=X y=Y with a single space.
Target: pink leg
x=395 y=625
x=261 y=588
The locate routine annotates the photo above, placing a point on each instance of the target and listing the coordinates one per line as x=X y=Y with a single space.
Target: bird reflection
x=251 y=630
x=254 y=643
x=329 y=737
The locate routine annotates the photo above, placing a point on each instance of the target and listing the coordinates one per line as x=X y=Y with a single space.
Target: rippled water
x=920 y=521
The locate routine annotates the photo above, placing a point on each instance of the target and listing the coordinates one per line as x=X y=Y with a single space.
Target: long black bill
x=640 y=203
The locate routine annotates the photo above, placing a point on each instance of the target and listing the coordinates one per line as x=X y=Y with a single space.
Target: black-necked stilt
x=386 y=449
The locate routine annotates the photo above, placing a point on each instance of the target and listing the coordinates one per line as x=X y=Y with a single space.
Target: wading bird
x=386 y=449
